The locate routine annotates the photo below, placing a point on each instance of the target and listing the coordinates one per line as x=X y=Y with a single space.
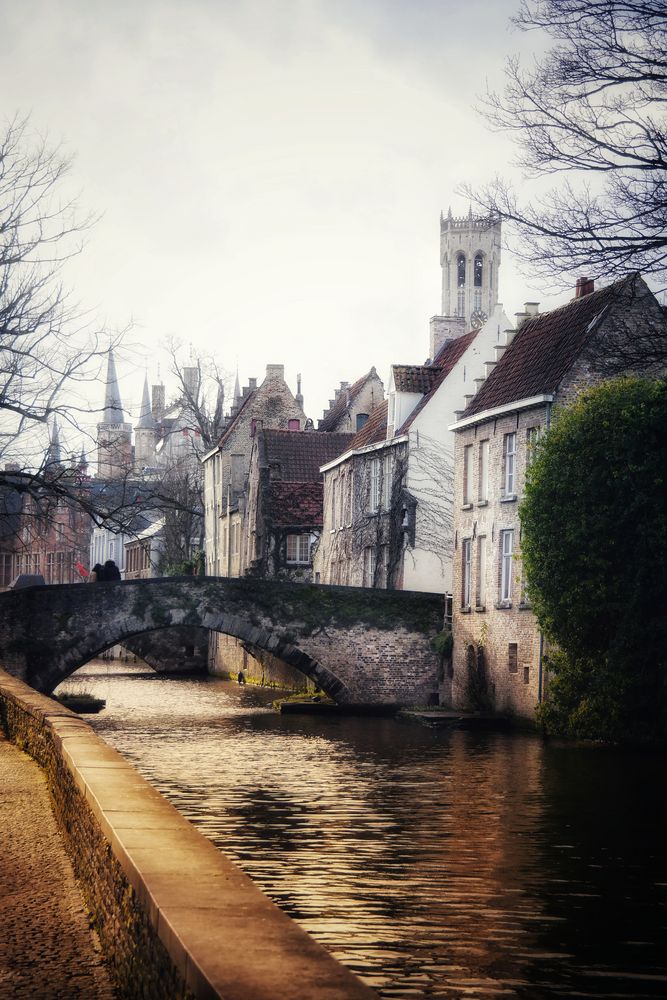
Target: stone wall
x=168 y=907
x=229 y=655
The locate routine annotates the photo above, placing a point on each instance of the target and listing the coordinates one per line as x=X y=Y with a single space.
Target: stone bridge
x=360 y=646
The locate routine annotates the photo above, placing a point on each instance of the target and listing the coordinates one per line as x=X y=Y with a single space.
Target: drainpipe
x=229 y=530
x=540 y=668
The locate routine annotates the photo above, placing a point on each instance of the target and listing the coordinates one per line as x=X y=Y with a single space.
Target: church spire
x=237 y=390
x=146 y=418
x=113 y=408
x=53 y=455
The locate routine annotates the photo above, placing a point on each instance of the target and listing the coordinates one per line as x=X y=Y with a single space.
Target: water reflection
x=434 y=864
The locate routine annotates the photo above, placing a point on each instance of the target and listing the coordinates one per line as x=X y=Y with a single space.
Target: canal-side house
x=545 y=363
x=269 y=405
x=352 y=404
x=388 y=498
x=283 y=510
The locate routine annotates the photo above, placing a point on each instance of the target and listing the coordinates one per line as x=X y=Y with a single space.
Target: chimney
x=584 y=287
x=531 y=308
x=520 y=318
x=252 y=384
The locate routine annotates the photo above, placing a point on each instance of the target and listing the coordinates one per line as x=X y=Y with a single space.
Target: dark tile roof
x=442 y=365
x=296 y=456
x=414 y=378
x=296 y=505
x=544 y=349
x=340 y=405
x=375 y=428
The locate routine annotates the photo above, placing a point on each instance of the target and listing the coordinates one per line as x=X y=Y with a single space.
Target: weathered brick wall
x=228 y=656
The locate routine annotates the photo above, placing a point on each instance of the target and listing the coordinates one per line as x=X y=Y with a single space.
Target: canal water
x=434 y=863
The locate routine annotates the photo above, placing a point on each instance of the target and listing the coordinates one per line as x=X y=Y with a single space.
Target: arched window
x=479 y=268
x=460 y=270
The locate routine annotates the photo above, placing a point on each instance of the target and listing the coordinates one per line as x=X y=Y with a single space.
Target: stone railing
x=175 y=917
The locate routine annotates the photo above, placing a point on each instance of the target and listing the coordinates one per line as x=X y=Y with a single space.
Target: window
x=506 y=552
x=483 y=491
x=374 y=494
x=342 y=491
x=532 y=440
x=6 y=561
x=478 y=270
x=49 y=568
x=460 y=270
x=298 y=548
x=294 y=425
x=466 y=549
x=480 y=590
x=361 y=420
x=509 y=452
x=460 y=282
x=513 y=658
x=467 y=474
x=370 y=561
x=387 y=472
x=334 y=484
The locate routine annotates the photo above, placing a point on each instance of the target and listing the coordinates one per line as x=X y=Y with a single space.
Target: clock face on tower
x=478 y=319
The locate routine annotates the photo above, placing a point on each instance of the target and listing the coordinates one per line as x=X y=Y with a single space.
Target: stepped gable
x=374 y=430
x=544 y=348
x=234 y=418
x=296 y=504
x=346 y=397
x=296 y=456
x=441 y=366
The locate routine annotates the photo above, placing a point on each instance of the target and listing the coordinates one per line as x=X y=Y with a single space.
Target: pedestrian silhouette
x=111 y=571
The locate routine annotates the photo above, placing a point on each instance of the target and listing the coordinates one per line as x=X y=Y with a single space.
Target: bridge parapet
x=358 y=645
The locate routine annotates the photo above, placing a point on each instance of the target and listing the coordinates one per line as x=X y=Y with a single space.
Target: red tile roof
x=545 y=347
x=442 y=365
x=340 y=405
x=296 y=505
x=296 y=456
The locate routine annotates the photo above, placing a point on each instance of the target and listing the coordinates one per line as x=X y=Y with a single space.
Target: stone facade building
x=352 y=404
x=269 y=405
x=283 y=513
x=498 y=659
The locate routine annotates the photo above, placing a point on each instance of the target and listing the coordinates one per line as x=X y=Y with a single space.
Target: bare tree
x=592 y=110
x=49 y=353
x=397 y=501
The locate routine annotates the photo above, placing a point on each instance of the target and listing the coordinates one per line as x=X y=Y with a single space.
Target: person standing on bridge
x=96 y=574
x=111 y=571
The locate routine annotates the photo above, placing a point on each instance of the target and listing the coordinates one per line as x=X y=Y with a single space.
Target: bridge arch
x=116 y=633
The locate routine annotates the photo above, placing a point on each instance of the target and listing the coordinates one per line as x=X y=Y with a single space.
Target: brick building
x=283 y=515
x=498 y=649
x=352 y=404
x=270 y=405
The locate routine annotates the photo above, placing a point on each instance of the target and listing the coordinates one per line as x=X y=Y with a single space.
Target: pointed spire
x=237 y=390
x=146 y=419
x=83 y=461
x=113 y=408
x=53 y=456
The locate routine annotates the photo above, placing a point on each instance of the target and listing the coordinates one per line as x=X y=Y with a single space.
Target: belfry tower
x=470 y=259
x=114 y=435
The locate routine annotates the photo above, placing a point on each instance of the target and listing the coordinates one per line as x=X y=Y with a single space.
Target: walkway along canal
x=433 y=864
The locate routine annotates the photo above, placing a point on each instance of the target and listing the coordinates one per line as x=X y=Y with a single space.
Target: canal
x=433 y=863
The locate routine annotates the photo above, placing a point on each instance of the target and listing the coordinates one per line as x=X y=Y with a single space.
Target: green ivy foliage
x=594 y=549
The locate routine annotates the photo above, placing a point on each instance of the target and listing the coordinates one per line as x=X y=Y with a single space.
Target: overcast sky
x=269 y=175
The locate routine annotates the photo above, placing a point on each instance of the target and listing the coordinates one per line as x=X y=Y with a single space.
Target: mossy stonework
x=360 y=646
x=169 y=908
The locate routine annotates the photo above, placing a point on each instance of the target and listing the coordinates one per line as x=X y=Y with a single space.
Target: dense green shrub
x=594 y=548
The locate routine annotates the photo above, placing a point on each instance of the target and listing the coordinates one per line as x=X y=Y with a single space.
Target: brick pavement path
x=47 y=949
